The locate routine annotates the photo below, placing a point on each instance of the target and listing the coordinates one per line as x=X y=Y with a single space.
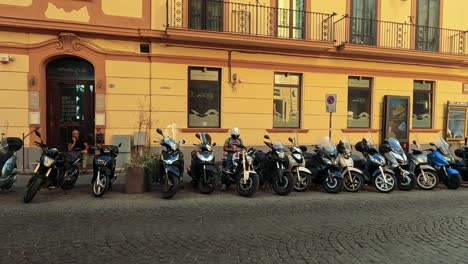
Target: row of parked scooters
x=332 y=166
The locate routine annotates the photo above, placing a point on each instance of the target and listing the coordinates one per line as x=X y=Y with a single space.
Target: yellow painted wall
x=454 y=15
x=14 y=96
x=127 y=8
x=23 y=38
x=54 y=12
x=158 y=14
x=16 y=2
x=114 y=45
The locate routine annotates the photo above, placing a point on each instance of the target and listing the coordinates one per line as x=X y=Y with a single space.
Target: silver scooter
x=8 y=169
x=353 y=178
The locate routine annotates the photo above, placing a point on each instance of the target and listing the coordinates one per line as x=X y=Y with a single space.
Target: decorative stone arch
x=66 y=44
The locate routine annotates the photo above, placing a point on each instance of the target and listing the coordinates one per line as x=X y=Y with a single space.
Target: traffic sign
x=330 y=103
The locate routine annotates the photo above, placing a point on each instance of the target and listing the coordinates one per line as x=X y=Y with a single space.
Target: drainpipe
x=150 y=92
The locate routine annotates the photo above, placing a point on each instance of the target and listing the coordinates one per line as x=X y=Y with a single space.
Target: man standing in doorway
x=77 y=143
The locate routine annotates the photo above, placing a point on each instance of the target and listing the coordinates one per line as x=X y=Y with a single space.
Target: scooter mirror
x=181 y=142
x=159 y=132
x=266 y=136
x=120 y=144
x=291 y=140
x=303 y=148
x=432 y=144
x=414 y=142
x=197 y=135
x=214 y=144
x=38 y=134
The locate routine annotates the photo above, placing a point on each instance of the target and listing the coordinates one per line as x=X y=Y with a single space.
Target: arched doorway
x=70 y=100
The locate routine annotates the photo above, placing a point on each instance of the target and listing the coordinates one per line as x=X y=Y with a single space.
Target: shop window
x=204 y=91
x=457 y=120
x=359 y=102
x=206 y=14
x=286 y=100
x=422 y=104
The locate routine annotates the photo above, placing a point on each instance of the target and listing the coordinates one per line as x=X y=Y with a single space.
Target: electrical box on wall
x=99 y=138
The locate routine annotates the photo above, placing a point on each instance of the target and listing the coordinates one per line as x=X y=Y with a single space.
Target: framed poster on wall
x=457 y=116
x=396 y=118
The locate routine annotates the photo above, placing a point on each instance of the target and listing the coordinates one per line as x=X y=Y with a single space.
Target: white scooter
x=297 y=167
x=353 y=177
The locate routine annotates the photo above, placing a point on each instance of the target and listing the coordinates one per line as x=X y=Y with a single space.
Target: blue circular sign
x=330 y=99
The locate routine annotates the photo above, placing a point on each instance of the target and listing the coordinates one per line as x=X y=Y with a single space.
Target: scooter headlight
x=47 y=161
x=280 y=154
x=249 y=160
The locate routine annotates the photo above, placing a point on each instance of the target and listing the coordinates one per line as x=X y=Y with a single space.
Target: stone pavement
x=310 y=227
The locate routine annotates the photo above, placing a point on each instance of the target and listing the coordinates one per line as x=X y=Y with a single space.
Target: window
x=204 y=91
x=427 y=29
x=359 y=102
x=291 y=18
x=422 y=104
x=206 y=14
x=363 y=22
x=457 y=120
x=286 y=100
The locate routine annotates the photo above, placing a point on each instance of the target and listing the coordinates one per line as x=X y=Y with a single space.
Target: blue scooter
x=440 y=158
x=8 y=147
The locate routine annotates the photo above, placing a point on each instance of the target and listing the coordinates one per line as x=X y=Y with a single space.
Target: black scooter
x=104 y=169
x=202 y=169
x=55 y=169
x=462 y=165
x=272 y=167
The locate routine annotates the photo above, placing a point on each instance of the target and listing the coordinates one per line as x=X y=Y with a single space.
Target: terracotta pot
x=135 y=180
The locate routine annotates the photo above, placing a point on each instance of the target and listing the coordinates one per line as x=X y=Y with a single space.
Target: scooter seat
x=417 y=152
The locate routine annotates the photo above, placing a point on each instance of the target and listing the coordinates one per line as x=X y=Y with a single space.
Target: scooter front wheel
x=248 y=187
x=407 y=183
x=427 y=181
x=385 y=183
x=453 y=182
x=208 y=186
x=33 y=188
x=100 y=184
x=170 y=185
x=333 y=184
x=353 y=182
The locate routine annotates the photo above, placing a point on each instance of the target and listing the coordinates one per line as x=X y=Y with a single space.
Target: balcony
x=357 y=35
x=249 y=24
x=256 y=25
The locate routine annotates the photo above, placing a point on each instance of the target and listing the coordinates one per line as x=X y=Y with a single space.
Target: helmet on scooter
x=235 y=132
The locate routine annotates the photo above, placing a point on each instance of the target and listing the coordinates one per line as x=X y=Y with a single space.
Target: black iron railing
x=399 y=35
x=249 y=19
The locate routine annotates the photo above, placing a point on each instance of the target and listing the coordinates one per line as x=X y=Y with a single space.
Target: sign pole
x=330 y=107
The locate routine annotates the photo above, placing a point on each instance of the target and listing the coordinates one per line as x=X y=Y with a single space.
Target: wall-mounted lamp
x=32 y=81
x=99 y=84
x=5 y=58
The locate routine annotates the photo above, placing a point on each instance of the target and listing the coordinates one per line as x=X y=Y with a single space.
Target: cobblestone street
x=310 y=227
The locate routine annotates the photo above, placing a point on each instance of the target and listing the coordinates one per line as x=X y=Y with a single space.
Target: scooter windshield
x=206 y=138
x=347 y=146
x=171 y=131
x=169 y=142
x=278 y=146
x=3 y=147
x=442 y=145
x=326 y=145
x=395 y=145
